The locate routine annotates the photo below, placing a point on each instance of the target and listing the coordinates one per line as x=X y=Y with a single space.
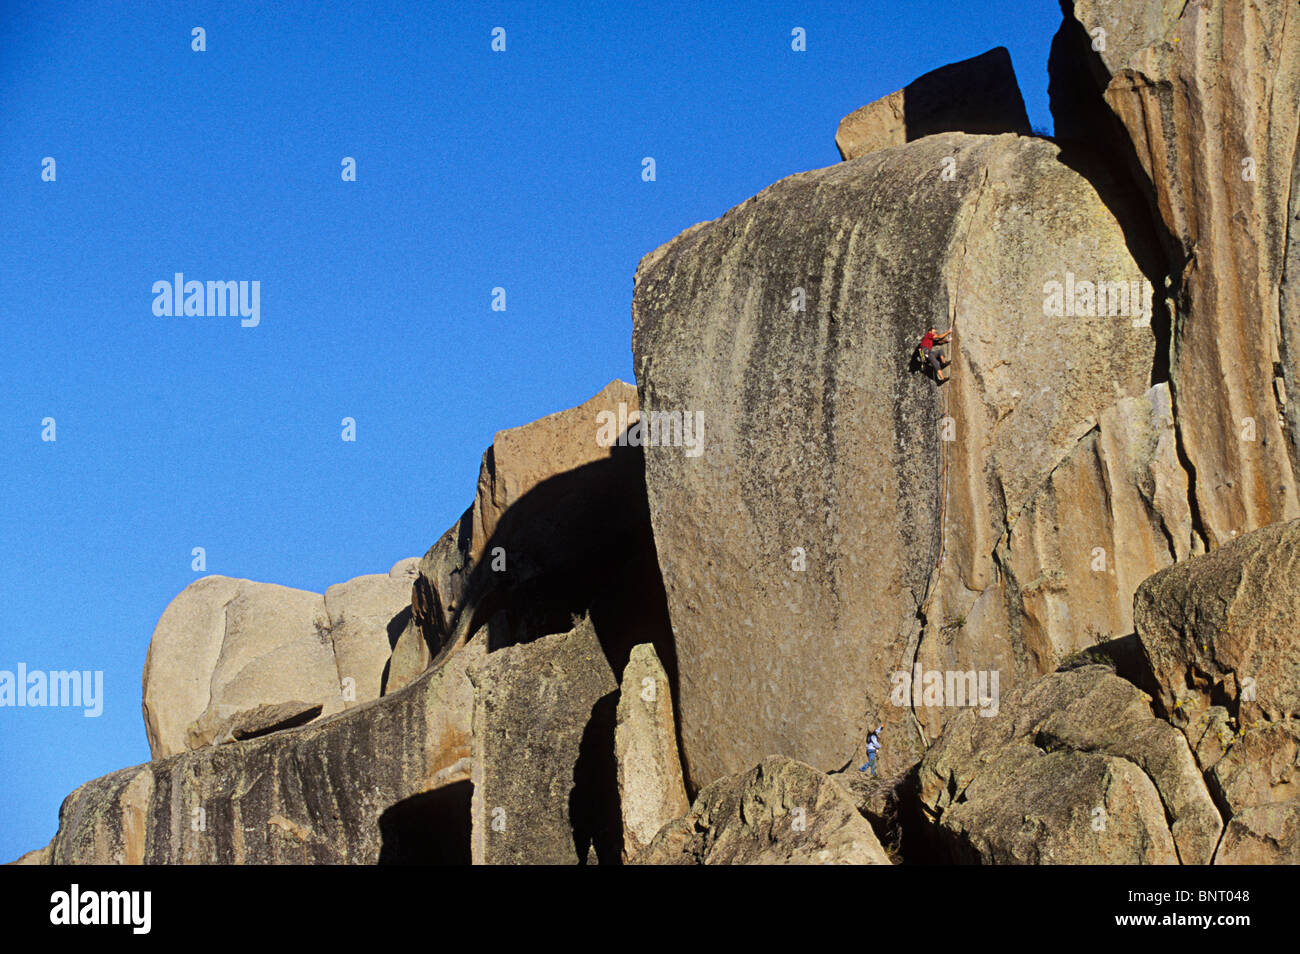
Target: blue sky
x=475 y=170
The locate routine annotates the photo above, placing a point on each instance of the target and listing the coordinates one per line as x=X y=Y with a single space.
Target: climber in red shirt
x=937 y=361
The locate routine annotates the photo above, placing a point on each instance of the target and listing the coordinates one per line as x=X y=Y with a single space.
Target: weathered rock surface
x=650 y=788
x=366 y=615
x=978 y=95
x=780 y=812
x=386 y=781
x=38 y=856
x=1204 y=98
x=1262 y=835
x=1262 y=765
x=1224 y=628
x=559 y=527
x=225 y=647
x=1111 y=513
x=1074 y=769
x=829 y=534
x=544 y=786
x=1221 y=636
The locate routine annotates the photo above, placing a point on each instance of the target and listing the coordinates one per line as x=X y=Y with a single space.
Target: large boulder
x=1074 y=769
x=650 y=788
x=781 y=812
x=978 y=95
x=558 y=528
x=1219 y=636
x=846 y=519
x=1202 y=102
x=544 y=786
x=1222 y=628
x=225 y=647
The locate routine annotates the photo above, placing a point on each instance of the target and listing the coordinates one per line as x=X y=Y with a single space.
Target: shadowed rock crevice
x=1095 y=144
x=594 y=802
x=432 y=828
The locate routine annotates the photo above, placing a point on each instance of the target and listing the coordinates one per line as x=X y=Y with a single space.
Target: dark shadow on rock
x=595 y=812
x=1124 y=655
x=982 y=91
x=893 y=807
x=432 y=828
x=1095 y=144
x=580 y=543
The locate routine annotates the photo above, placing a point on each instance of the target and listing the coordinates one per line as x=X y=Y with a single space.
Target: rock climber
x=936 y=361
x=873 y=746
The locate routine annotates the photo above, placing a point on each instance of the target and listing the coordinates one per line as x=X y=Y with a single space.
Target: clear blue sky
x=474 y=170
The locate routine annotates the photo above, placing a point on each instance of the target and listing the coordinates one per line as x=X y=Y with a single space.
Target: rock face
x=1069 y=558
x=1204 y=100
x=544 y=787
x=847 y=519
x=558 y=528
x=650 y=788
x=1074 y=769
x=780 y=812
x=979 y=95
x=225 y=647
x=296 y=797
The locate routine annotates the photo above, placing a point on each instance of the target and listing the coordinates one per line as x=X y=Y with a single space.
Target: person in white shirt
x=873 y=746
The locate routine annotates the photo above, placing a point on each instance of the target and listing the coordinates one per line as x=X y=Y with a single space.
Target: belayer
x=873 y=746
x=936 y=361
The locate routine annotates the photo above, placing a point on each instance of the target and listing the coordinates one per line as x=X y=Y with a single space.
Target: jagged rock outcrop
x=847 y=519
x=781 y=812
x=297 y=796
x=502 y=757
x=1221 y=638
x=978 y=95
x=1222 y=629
x=1204 y=101
x=821 y=519
x=885 y=803
x=225 y=647
x=1074 y=769
x=558 y=528
x=650 y=788
x=544 y=786
x=1261 y=765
